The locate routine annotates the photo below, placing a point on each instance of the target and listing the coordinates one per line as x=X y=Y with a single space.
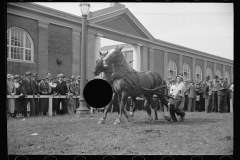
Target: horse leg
x=118 y=120
x=147 y=106
x=102 y=120
x=154 y=106
x=166 y=108
x=134 y=106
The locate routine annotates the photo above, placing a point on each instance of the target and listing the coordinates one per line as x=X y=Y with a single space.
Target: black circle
x=97 y=93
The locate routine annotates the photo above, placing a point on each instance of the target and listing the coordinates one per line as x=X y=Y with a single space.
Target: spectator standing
x=72 y=92
x=53 y=86
x=186 y=95
x=210 y=95
x=216 y=87
x=28 y=89
x=44 y=89
x=198 y=102
x=18 y=101
x=36 y=82
x=228 y=94
x=191 y=97
x=205 y=88
x=221 y=94
x=232 y=96
x=10 y=91
x=62 y=91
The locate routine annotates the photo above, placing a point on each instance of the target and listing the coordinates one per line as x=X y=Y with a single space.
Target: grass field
x=200 y=134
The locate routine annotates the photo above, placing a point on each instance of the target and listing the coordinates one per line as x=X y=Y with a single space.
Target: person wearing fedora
x=10 y=91
x=44 y=89
x=62 y=90
x=205 y=88
x=28 y=86
x=216 y=86
x=191 y=97
x=178 y=94
x=36 y=82
x=221 y=96
x=18 y=101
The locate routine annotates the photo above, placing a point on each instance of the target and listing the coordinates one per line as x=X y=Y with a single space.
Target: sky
x=206 y=27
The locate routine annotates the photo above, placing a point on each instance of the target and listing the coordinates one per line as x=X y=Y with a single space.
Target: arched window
x=219 y=73
x=19 y=45
x=209 y=72
x=172 y=69
x=186 y=71
x=227 y=75
x=198 y=73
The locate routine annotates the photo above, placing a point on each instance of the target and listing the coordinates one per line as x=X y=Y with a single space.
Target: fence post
x=50 y=106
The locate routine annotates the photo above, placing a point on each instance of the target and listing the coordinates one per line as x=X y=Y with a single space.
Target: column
x=214 y=69
x=90 y=55
x=42 y=48
x=144 y=58
x=231 y=74
x=193 y=68
x=150 y=60
x=223 y=72
x=180 y=65
x=76 y=52
x=97 y=48
x=204 y=69
x=136 y=57
x=165 y=65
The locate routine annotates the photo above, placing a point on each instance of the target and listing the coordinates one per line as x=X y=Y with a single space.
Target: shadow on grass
x=187 y=121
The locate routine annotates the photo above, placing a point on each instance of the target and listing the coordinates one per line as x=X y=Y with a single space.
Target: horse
x=107 y=72
x=127 y=82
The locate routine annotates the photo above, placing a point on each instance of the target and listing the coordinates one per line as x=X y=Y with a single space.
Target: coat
x=28 y=87
x=62 y=88
x=205 y=90
x=191 y=91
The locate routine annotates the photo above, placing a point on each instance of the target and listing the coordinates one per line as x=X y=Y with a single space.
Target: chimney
x=113 y=4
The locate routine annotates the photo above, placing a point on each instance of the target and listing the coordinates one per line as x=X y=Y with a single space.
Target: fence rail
x=50 y=97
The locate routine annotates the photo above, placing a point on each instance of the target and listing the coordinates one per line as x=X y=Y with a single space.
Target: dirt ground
x=200 y=134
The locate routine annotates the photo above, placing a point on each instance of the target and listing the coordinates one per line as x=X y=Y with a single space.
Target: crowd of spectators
x=31 y=84
x=209 y=95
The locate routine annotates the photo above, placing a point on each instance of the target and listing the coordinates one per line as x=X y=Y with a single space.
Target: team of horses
x=127 y=82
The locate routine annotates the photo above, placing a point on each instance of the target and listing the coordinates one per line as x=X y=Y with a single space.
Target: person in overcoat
x=198 y=90
x=53 y=86
x=44 y=89
x=205 y=89
x=10 y=91
x=28 y=86
x=18 y=101
x=62 y=90
x=36 y=99
x=216 y=87
x=191 y=97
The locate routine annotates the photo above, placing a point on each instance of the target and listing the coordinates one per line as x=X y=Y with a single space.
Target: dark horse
x=107 y=72
x=126 y=83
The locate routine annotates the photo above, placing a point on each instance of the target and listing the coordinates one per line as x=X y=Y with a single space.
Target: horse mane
x=123 y=62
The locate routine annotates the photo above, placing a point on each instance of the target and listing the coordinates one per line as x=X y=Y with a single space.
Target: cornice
x=43 y=24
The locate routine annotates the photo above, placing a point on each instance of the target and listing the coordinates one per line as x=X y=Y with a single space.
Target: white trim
x=198 y=71
x=174 y=67
x=188 y=71
x=18 y=60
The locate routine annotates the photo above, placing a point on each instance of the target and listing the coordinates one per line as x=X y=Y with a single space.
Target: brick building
x=44 y=39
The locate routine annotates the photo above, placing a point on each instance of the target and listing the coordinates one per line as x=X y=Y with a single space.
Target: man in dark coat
x=62 y=90
x=28 y=86
x=36 y=82
x=221 y=96
x=205 y=88
x=216 y=87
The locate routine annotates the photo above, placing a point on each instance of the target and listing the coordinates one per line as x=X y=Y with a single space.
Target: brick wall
x=59 y=47
x=31 y=27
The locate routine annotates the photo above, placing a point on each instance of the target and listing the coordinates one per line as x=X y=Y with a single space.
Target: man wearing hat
x=205 y=89
x=178 y=94
x=36 y=82
x=62 y=90
x=10 y=91
x=28 y=86
x=44 y=89
x=216 y=86
x=18 y=101
x=221 y=96
x=191 y=97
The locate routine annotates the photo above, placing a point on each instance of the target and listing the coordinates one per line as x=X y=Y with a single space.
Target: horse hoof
x=117 y=121
x=101 y=121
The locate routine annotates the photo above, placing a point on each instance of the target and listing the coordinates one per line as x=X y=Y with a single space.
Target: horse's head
x=99 y=67
x=112 y=56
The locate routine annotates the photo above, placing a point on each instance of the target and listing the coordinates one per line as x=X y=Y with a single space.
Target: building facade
x=43 y=39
